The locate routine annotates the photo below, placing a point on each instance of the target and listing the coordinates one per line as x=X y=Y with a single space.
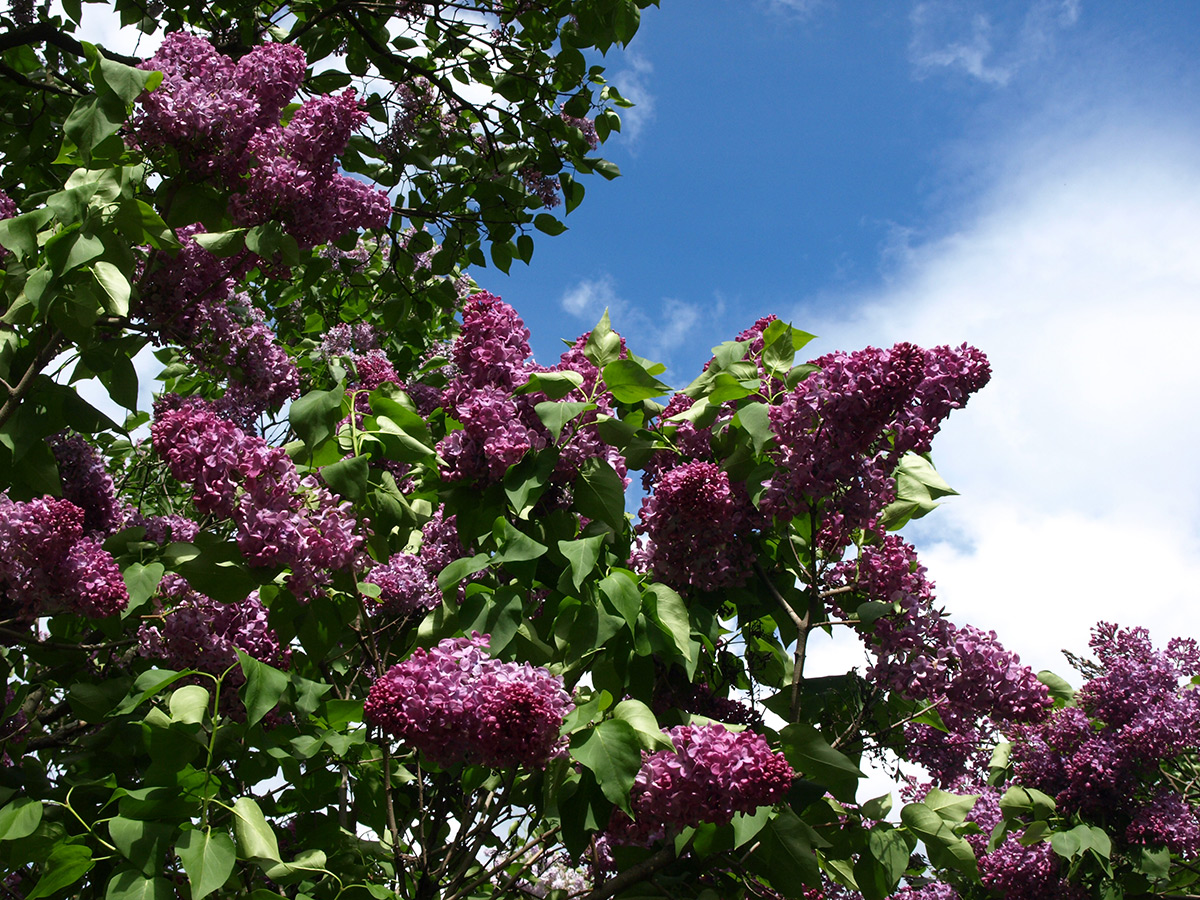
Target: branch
x=634 y=874
x=44 y=32
x=40 y=361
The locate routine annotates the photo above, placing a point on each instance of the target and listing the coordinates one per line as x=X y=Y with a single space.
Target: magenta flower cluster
x=282 y=519
x=491 y=360
x=841 y=431
x=711 y=774
x=222 y=119
x=1103 y=756
x=87 y=484
x=921 y=655
x=696 y=526
x=197 y=632
x=49 y=565
x=456 y=704
x=192 y=301
x=405 y=585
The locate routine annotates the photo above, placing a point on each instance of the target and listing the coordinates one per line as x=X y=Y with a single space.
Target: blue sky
x=1021 y=175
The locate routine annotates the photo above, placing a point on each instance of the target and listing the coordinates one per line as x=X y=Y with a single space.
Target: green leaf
x=65 y=865
x=1059 y=688
x=554 y=385
x=146 y=686
x=188 y=704
x=142 y=843
x=600 y=493
x=747 y=825
x=613 y=753
x=891 y=851
x=348 y=477
x=127 y=884
x=641 y=717
x=141 y=581
x=20 y=818
x=630 y=383
x=116 y=287
x=92 y=120
x=555 y=414
x=1154 y=864
x=126 y=82
x=626 y=18
x=945 y=848
x=603 y=345
x=953 y=808
x=785 y=855
x=668 y=610
x=582 y=554
x=19 y=234
x=462 y=568
x=1021 y=801
x=316 y=414
x=546 y=223
x=810 y=754
x=621 y=591
x=222 y=243
x=264 y=686
x=207 y=858
x=525 y=482
x=753 y=417
x=514 y=545
x=255 y=839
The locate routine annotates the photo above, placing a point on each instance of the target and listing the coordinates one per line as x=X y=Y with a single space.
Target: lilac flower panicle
x=48 y=564
x=87 y=484
x=711 y=774
x=406 y=585
x=698 y=527
x=8 y=206
x=455 y=704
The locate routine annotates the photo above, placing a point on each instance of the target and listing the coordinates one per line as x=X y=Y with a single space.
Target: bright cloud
x=988 y=41
x=1081 y=497
x=633 y=83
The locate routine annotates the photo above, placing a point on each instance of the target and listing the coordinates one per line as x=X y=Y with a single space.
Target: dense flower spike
x=48 y=565
x=712 y=774
x=1102 y=756
x=405 y=585
x=197 y=632
x=282 y=519
x=454 y=703
x=697 y=528
x=87 y=484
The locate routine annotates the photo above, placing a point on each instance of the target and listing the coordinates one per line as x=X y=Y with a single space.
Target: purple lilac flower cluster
x=543 y=186
x=454 y=704
x=920 y=654
x=222 y=119
x=491 y=360
x=711 y=774
x=87 y=484
x=8 y=206
x=841 y=431
x=585 y=125
x=197 y=632
x=48 y=565
x=1102 y=756
x=192 y=301
x=408 y=581
x=697 y=524
x=282 y=519
x=1012 y=870
x=420 y=108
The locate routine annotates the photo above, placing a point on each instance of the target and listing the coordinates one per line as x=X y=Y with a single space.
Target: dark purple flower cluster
x=922 y=655
x=1012 y=870
x=87 y=484
x=48 y=565
x=454 y=703
x=1103 y=756
x=841 y=431
x=491 y=360
x=711 y=774
x=585 y=125
x=8 y=206
x=542 y=186
x=191 y=301
x=222 y=118
x=197 y=632
x=697 y=526
x=282 y=519
x=405 y=585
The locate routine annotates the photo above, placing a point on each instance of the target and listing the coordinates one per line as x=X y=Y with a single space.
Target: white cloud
x=632 y=82
x=660 y=331
x=974 y=38
x=1081 y=496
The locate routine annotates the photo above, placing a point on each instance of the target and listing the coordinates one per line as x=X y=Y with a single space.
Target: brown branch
x=634 y=874
x=40 y=360
x=803 y=627
x=44 y=32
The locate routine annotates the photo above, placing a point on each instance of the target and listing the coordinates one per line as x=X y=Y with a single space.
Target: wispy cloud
x=1078 y=276
x=661 y=327
x=633 y=81
x=977 y=39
